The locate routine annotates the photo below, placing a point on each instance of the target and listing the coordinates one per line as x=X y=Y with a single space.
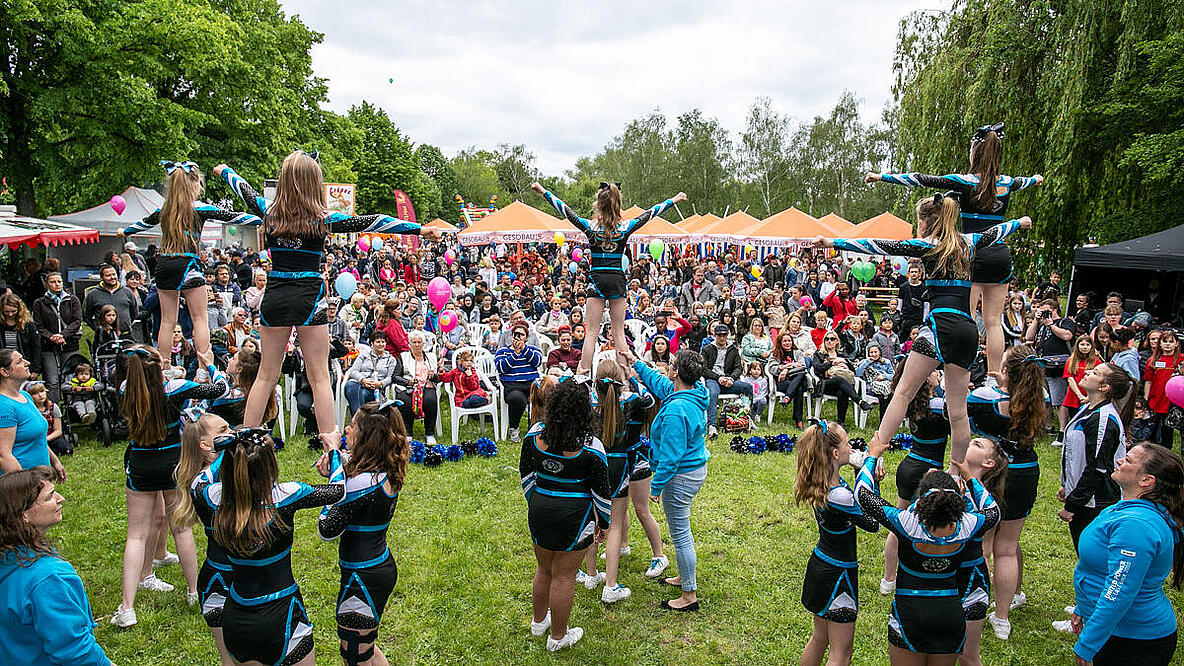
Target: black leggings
x=843 y=390
x=517 y=395
x=429 y=411
x=1137 y=651
x=794 y=387
x=1081 y=519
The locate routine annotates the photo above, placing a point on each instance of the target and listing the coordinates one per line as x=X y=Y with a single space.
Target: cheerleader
x=609 y=238
x=983 y=194
x=295 y=227
x=950 y=336
x=831 y=588
x=374 y=476
x=987 y=462
x=639 y=479
x=179 y=267
x=565 y=480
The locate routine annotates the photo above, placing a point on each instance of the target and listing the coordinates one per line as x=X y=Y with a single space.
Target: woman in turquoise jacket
x=45 y=617
x=1123 y=615
x=678 y=438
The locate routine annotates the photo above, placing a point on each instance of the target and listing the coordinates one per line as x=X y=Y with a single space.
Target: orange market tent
x=520 y=223
x=705 y=223
x=788 y=227
x=884 y=225
x=632 y=212
x=732 y=227
x=688 y=222
x=838 y=226
x=442 y=226
x=665 y=232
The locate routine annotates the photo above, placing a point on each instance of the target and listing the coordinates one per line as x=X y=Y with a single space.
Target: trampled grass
x=465 y=564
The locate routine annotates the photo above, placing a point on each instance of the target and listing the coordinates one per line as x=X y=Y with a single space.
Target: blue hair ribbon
x=170 y=166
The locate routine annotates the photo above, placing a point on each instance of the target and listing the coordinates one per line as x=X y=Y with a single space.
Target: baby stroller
x=108 y=424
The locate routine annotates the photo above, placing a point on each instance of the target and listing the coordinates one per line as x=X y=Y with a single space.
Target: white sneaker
x=1002 y=627
x=712 y=432
x=611 y=595
x=590 y=581
x=431 y=440
x=1070 y=609
x=168 y=560
x=657 y=566
x=1058 y=442
x=626 y=551
x=537 y=629
x=191 y=598
x=573 y=636
x=124 y=618
x=155 y=584
x=1019 y=600
x=887 y=587
x=514 y=435
x=1063 y=625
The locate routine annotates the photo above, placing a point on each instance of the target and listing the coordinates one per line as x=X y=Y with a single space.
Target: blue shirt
x=678 y=435
x=1124 y=556
x=45 y=617
x=30 y=447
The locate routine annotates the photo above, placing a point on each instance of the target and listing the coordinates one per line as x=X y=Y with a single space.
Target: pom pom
x=858 y=443
x=903 y=441
x=486 y=447
x=418 y=451
x=644 y=442
x=451 y=453
x=738 y=444
x=792 y=442
x=469 y=447
x=781 y=442
x=756 y=444
x=432 y=457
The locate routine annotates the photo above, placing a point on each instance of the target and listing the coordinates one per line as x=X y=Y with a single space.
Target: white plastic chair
x=290 y=403
x=546 y=344
x=637 y=329
x=281 y=422
x=860 y=415
x=477 y=333
x=457 y=413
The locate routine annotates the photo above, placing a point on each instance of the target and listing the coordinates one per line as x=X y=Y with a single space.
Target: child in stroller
x=82 y=388
x=99 y=395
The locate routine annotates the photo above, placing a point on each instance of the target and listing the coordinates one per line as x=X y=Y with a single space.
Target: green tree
x=763 y=160
x=439 y=169
x=476 y=180
x=387 y=163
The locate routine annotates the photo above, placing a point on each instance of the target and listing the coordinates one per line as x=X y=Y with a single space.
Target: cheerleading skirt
x=150 y=470
x=608 y=285
x=991 y=265
x=909 y=473
x=561 y=523
x=273 y=632
x=619 y=474
x=179 y=272
x=1020 y=494
x=931 y=622
x=640 y=469
x=364 y=593
x=974 y=583
x=949 y=336
x=300 y=301
x=831 y=589
x=213 y=586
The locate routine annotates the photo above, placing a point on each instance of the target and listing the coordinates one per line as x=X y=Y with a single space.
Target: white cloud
x=564 y=78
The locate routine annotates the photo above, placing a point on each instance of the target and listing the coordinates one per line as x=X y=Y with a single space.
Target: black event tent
x=1131 y=267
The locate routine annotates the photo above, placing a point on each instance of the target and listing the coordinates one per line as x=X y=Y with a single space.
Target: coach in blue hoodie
x=679 y=458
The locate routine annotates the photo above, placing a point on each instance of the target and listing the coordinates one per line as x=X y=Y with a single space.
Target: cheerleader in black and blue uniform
x=982 y=207
x=264 y=620
x=608 y=239
x=638 y=422
x=564 y=473
x=831 y=588
x=950 y=336
x=152 y=406
x=987 y=462
x=927 y=615
x=1010 y=410
x=178 y=266
x=295 y=227
x=374 y=475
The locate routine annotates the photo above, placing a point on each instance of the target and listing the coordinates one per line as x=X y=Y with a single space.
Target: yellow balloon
x=747 y=249
x=756 y=271
x=559 y=238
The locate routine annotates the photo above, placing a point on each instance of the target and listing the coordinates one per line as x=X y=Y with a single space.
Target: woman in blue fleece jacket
x=45 y=617
x=678 y=438
x=1123 y=615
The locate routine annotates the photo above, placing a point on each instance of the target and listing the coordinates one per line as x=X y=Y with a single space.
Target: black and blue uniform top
x=300 y=256
x=554 y=475
x=201 y=212
x=265 y=575
x=607 y=245
x=178 y=394
x=984 y=409
x=215 y=553
x=361 y=520
x=948 y=293
x=836 y=527
x=931 y=434
x=974 y=219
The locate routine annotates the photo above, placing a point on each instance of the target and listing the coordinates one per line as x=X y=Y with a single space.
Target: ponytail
x=1122 y=391
x=609 y=380
x=1168 y=492
x=243 y=521
x=984 y=163
x=144 y=400
x=951 y=256
x=814 y=463
x=1025 y=389
x=608 y=212
x=179 y=227
x=192 y=462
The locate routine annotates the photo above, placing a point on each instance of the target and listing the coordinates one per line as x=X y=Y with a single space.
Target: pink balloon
x=439 y=292
x=449 y=257
x=806 y=301
x=1175 y=390
x=118 y=204
x=363 y=244
x=576 y=254
x=447 y=320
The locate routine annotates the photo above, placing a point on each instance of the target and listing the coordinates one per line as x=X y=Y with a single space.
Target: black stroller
x=109 y=425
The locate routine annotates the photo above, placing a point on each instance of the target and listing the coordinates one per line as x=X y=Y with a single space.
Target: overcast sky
x=565 y=77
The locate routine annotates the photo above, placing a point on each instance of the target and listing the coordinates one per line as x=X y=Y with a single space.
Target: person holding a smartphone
x=1053 y=336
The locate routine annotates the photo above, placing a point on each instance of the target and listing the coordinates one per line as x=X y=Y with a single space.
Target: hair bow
x=939 y=490
x=937 y=198
x=604 y=185
x=251 y=436
x=136 y=351
x=610 y=380
x=821 y=423
x=980 y=134
x=170 y=166
x=1030 y=358
x=192 y=414
x=386 y=406
x=314 y=153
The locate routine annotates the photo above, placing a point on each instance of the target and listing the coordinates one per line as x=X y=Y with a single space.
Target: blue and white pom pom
x=452 y=453
x=486 y=447
x=418 y=451
x=432 y=457
x=738 y=444
x=903 y=441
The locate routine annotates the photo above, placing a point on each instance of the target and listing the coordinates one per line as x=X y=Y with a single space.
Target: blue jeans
x=676 y=502
x=713 y=391
x=474 y=401
x=357 y=395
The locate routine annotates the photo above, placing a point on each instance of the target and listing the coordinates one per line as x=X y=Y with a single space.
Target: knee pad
x=352 y=639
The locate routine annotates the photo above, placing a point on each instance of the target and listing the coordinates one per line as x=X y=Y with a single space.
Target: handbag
x=881 y=388
x=1174 y=418
x=842 y=373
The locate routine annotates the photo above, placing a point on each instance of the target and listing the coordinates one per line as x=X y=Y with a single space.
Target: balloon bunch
x=863 y=271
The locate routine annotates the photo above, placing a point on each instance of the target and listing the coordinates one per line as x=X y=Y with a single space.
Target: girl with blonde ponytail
x=179 y=267
x=950 y=336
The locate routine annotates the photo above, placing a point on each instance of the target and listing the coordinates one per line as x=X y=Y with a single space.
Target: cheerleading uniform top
x=983 y=407
x=1094 y=439
x=836 y=527
x=931 y=434
x=361 y=520
x=567 y=496
x=179 y=271
x=974 y=219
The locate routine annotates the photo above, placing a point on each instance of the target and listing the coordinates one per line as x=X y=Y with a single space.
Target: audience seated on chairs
x=371 y=372
x=721 y=368
x=417 y=390
x=835 y=375
x=563 y=359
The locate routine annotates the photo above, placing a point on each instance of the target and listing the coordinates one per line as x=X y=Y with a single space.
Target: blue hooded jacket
x=45 y=617
x=678 y=435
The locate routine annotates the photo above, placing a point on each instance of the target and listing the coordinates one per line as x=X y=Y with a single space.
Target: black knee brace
x=352 y=639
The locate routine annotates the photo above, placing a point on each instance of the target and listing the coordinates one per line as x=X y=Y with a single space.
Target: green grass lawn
x=465 y=565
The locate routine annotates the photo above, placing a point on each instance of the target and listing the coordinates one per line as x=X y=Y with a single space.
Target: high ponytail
x=1122 y=391
x=180 y=228
x=609 y=378
x=984 y=163
x=814 y=463
x=1025 y=389
x=608 y=212
x=242 y=522
x=951 y=256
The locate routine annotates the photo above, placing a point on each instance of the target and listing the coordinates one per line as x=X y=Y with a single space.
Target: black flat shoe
x=689 y=608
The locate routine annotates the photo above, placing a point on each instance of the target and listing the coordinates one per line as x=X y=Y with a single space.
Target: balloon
x=900 y=265
x=756 y=271
x=806 y=301
x=863 y=271
x=747 y=249
x=449 y=257
x=265 y=255
x=625 y=263
x=439 y=292
x=447 y=320
x=346 y=285
x=1175 y=390
x=573 y=267
x=376 y=243
x=657 y=247
x=363 y=244
x=559 y=238
x=577 y=254
x=118 y=203
x=392 y=80
x=231 y=229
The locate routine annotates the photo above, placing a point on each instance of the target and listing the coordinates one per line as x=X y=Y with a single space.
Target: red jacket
x=396 y=337
x=467 y=383
x=410 y=274
x=839 y=308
